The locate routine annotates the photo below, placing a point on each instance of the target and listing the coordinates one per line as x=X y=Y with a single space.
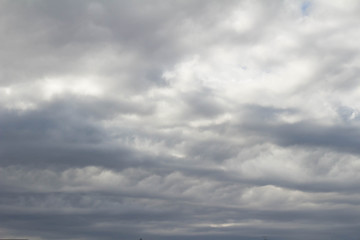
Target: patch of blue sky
x=305 y=8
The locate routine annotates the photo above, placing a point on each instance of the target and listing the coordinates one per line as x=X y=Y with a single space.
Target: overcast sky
x=180 y=120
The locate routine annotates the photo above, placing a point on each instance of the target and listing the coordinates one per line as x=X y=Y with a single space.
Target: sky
x=180 y=120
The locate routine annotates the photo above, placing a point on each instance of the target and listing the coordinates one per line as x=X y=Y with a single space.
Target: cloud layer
x=179 y=120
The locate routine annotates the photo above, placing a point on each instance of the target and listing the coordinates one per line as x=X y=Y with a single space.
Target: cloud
x=179 y=120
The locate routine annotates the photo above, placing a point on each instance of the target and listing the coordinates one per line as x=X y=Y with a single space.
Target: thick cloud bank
x=180 y=120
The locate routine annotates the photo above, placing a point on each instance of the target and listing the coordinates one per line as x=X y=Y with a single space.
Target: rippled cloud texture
x=180 y=120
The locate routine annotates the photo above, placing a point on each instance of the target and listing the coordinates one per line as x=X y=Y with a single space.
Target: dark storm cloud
x=339 y=137
x=76 y=223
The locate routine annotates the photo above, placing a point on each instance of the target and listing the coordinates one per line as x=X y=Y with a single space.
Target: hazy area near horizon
x=180 y=120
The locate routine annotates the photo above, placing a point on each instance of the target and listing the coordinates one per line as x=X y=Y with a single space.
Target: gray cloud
x=179 y=120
